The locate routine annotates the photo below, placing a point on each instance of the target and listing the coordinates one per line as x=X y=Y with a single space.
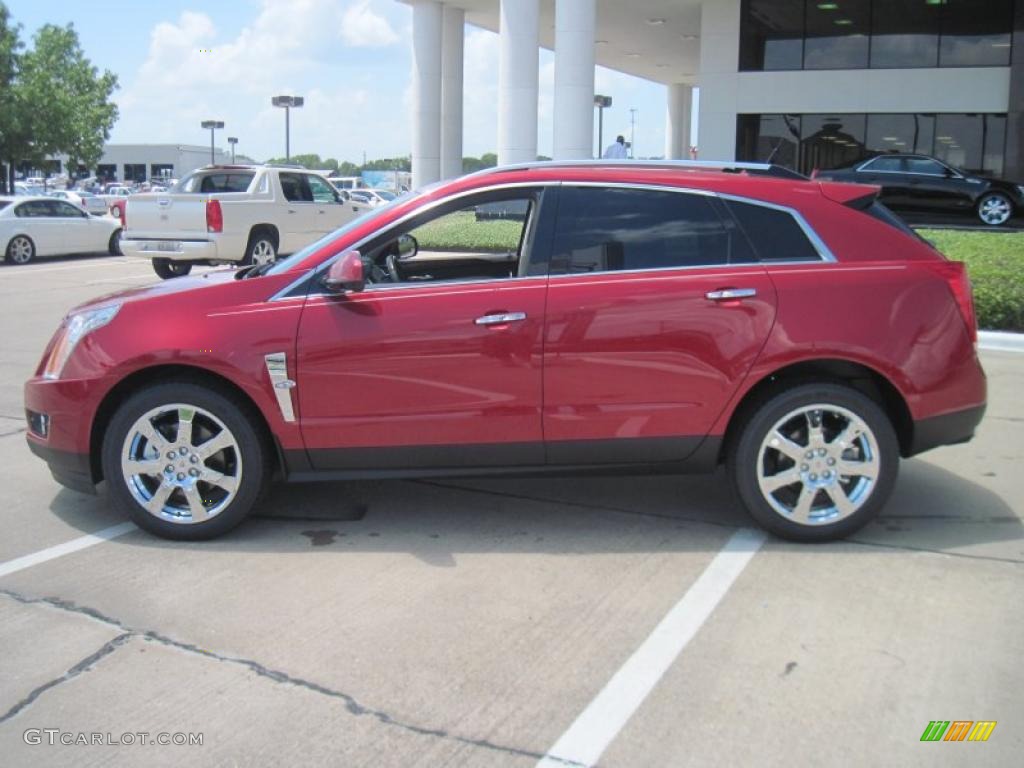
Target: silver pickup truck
x=233 y=214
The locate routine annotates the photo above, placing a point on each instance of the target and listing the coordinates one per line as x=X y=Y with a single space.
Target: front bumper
x=68 y=406
x=182 y=250
x=947 y=429
x=72 y=470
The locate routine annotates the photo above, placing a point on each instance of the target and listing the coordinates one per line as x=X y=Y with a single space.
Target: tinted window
x=771 y=34
x=294 y=188
x=4 y=204
x=921 y=165
x=35 y=209
x=976 y=33
x=64 y=209
x=775 y=234
x=837 y=34
x=218 y=182
x=905 y=33
x=831 y=141
x=624 y=229
x=322 y=191
x=884 y=164
x=901 y=133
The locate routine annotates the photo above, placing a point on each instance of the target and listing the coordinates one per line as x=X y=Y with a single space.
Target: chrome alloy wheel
x=262 y=252
x=995 y=210
x=20 y=250
x=818 y=464
x=181 y=463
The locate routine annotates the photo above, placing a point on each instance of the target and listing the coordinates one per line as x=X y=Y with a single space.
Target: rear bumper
x=947 y=429
x=72 y=470
x=184 y=250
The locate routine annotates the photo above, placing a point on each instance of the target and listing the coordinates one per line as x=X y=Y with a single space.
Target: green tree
x=10 y=133
x=389 y=164
x=56 y=101
x=345 y=168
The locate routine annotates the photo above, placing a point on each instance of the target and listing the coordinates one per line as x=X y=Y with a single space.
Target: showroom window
x=974 y=142
x=882 y=34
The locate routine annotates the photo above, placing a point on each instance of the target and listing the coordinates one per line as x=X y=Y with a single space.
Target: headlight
x=73 y=331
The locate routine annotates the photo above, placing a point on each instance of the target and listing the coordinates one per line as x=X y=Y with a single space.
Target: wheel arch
x=270 y=229
x=858 y=376
x=163 y=374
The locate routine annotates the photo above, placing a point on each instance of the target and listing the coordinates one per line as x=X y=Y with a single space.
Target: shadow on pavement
x=931 y=509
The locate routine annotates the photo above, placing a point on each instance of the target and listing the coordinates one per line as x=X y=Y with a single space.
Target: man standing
x=616 y=150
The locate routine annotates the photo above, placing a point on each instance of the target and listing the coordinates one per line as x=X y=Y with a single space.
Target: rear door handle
x=729 y=294
x=500 y=318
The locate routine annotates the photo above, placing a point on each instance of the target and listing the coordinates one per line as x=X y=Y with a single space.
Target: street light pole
x=232 y=140
x=287 y=102
x=213 y=125
x=601 y=102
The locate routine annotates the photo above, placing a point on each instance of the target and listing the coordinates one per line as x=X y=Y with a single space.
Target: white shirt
x=615 y=151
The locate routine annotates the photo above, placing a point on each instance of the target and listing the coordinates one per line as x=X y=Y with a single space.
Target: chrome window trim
x=282 y=294
x=819 y=245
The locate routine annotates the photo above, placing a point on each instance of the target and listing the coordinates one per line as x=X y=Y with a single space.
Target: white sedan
x=90 y=202
x=44 y=226
x=373 y=197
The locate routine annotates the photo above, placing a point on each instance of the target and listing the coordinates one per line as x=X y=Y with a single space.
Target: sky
x=180 y=62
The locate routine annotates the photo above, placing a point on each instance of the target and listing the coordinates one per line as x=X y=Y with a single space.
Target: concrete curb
x=1001 y=341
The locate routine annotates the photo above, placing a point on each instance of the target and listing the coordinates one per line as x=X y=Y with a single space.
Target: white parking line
x=52 y=553
x=599 y=724
x=30 y=270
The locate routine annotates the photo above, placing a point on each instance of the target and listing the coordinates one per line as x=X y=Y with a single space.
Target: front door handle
x=500 y=318
x=730 y=294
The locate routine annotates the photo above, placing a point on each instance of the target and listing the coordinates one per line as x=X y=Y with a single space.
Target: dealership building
x=804 y=83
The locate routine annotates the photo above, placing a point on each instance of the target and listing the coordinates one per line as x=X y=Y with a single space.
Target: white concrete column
x=575 y=21
x=519 y=50
x=718 y=78
x=426 y=92
x=452 y=36
x=677 y=122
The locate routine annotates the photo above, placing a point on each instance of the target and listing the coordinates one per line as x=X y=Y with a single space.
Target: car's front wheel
x=185 y=461
x=261 y=249
x=114 y=244
x=815 y=462
x=167 y=268
x=995 y=209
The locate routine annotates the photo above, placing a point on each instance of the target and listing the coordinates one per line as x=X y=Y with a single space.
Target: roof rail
x=286 y=165
x=725 y=166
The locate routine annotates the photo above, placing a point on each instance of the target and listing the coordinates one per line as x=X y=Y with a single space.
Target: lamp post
x=602 y=103
x=232 y=140
x=287 y=102
x=213 y=125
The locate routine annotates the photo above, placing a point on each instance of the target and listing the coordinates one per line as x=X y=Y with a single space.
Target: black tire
x=995 y=209
x=745 y=461
x=166 y=268
x=261 y=242
x=114 y=246
x=254 y=464
x=20 y=250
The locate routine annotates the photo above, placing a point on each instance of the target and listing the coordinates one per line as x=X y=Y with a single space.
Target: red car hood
x=164 y=288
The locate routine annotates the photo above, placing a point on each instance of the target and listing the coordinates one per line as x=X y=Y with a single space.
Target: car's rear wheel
x=815 y=462
x=114 y=245
x=995 y=208
x=184 y=461
x=167 y=268
x=21 y=250
x=262 y=248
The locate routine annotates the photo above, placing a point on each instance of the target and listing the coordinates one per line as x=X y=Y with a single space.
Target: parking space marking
x=52 y=553
x=106 y=262
x=602 y=720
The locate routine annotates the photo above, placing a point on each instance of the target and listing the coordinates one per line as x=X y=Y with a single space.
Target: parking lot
x=633 y=621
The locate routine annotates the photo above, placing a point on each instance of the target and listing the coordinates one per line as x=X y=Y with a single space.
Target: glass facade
x=974 y=142
x=879 y=34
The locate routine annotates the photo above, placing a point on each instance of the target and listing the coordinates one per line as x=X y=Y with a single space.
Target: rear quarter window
x=235 y=181
x=775 y=234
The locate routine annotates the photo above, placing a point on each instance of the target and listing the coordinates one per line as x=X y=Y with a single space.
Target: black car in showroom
x=919 y=183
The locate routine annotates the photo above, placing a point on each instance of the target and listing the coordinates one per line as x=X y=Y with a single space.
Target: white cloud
x=362 y=28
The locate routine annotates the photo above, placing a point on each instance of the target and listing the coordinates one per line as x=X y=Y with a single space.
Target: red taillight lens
x=955 y=274
x=122 y=212
x=214 y=216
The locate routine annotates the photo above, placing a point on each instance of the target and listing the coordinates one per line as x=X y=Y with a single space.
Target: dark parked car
x=920 y=183
x=638 y=318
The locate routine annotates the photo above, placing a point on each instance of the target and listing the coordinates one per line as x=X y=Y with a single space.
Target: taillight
x=214 y=216
x=122 y=213
x=955 y=274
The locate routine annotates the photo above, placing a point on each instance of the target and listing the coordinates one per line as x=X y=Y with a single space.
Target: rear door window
x=613 y=229
x=321 y=190
x=296 y=188
x=775 y=234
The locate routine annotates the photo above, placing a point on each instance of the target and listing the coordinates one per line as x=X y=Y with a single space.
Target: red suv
x=548 y=318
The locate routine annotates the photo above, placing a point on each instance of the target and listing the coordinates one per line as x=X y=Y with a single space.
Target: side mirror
x=407 y=246
x=346 y=274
